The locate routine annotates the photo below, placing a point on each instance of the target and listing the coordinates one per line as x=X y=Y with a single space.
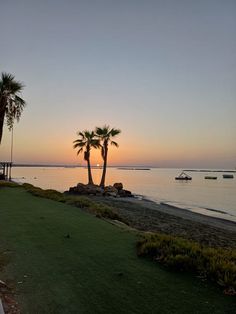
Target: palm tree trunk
x=102 y=183
x=90 y=178
x=2 y=116
x=1 y=124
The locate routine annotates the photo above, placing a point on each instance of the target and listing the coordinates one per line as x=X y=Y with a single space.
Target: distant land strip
x=79 y=166
x=43 y=165
x=205 y=170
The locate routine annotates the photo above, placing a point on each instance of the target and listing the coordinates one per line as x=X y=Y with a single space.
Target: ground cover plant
x=217 y=264
x=64 y=260
x=97 y=208
x=8 y=184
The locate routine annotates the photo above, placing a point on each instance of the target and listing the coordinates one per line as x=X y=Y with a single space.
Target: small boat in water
x=210 y=177
x=228 y=176
x=183 y=176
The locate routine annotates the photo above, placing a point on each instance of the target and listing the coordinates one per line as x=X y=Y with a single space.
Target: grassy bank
x=63 y=260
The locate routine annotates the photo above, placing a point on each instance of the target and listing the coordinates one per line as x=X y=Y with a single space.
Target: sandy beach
x=147 y=215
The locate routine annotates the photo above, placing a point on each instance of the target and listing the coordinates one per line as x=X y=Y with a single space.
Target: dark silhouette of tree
x=105 y=135
x=11 y=104
x=86 y=141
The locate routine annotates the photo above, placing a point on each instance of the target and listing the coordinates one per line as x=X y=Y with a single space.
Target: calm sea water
x=210 y=197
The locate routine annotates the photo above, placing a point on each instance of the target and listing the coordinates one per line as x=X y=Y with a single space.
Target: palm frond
x=20 y=102
x=79 y=133
x=78 y=144
x=114 y=132
x=79 y=151
x=79 y=141
x=10 y=103
x=102 y=132
x=88 y=134
x=7 y=76
x=106 y=132
x=9 y=85
x=86 y=141
x=95 y=143
x=114 y=144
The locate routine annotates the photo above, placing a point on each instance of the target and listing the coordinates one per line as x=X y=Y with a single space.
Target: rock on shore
x=91 y=189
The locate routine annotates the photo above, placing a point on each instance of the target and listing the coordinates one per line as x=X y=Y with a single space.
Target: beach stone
x=118 y=186
x=93 y=189
x=110 y=191
x=125 y=193
x=72 y=190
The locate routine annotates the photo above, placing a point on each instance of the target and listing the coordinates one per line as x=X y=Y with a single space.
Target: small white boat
x=183 y=176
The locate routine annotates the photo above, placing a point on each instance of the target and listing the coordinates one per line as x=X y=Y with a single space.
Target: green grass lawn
x=96 y=270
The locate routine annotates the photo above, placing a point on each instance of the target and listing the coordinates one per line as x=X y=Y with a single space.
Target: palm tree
x=105 y=135
x=11 y=105
x=84 y=143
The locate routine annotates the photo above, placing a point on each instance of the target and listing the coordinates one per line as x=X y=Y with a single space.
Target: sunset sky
x=163 y=71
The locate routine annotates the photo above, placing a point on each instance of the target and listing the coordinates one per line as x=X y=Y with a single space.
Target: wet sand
x=146 y=215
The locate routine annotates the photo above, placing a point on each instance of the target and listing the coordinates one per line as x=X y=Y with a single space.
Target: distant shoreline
x=211 y=170
x=120 y=167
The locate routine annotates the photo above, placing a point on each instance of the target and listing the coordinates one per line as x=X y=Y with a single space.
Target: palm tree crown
x=84 y=143
x=105 y=134
x=11 y=105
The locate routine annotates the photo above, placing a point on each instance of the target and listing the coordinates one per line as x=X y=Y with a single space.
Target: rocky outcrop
x=125 y=193
x=86 y=189
x=110 y=191
x=91 y=189
x=118 y=186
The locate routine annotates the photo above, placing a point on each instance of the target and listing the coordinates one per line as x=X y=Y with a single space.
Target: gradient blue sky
x=162 y=71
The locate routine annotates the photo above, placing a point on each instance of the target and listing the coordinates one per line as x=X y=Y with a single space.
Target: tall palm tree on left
x=11 y=104
x=86 y=141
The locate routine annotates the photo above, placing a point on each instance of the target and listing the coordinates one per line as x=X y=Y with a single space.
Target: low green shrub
x=217 y=264
x=9 y=184
x=49 y=193
x=105 y=211
x=99 y=209
x=79 y=201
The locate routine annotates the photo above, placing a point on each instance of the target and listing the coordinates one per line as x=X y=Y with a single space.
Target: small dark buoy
x=67 y=236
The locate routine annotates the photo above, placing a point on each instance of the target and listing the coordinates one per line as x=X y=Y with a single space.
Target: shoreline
x=191 y=215
x=194 y=215
x=195 y=210
x=148 y=216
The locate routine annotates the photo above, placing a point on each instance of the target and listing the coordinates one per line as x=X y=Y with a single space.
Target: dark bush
x=9 y=184
x=217 y=264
